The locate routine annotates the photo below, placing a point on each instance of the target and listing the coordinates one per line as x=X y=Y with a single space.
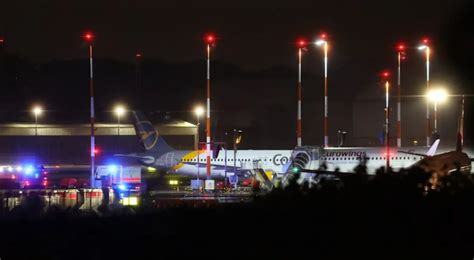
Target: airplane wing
x=431 y=151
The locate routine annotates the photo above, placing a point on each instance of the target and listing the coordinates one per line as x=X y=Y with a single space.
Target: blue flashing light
x=36 y=175
x=122 y=187
x=29 y=169
x=19 y=168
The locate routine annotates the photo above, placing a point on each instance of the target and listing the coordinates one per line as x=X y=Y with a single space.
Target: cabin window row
x=221 y=160
x=368 y=158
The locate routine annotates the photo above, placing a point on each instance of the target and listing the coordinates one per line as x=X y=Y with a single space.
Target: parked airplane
x=314 y=160
x=160 y=155
x=346 y=159
x=445 y=163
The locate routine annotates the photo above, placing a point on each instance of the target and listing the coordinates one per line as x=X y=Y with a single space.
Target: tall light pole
x=400 y=56
x=119 y=111
x=89 y=38
x=301 y=45
x=37 y=111
x=323 y=42
x=436 y=96
x=199 y=111
x=210 y=40
x=386 y=78
x=424 y=46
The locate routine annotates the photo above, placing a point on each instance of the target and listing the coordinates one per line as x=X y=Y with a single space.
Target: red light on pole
x=425 y=40
x=386 y=76
x=401 y=47
x=210 y=38
x=138 y=55
x=88 y=36
x=324 y=35
x=400 y=57
x=301 y=43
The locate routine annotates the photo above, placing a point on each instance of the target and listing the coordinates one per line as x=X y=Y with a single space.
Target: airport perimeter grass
x=359 y=215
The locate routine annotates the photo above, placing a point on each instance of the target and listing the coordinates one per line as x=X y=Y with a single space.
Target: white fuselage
x=187 y=163
x=346 y=159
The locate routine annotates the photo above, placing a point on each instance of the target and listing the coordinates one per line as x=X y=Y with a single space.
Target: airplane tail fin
x=433 y=148
x=460 y=137
x=148 y=135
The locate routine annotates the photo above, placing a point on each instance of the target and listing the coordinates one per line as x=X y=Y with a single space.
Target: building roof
x=170 y=127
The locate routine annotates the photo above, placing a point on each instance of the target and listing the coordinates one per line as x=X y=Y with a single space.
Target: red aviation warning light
x=301 y=43
x=401 y=47
x=88 y=37
x=210 y=38
x=385 y=74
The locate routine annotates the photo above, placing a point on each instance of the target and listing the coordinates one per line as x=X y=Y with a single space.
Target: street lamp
x=386 y=78
x=119 y=111
x=425 y=47
x=89 y=38
x=199 y=111
x=210 y=40
x=37 y=111
x=436 y=96
x=301 y=44
x=324 y=43
x=400 y=57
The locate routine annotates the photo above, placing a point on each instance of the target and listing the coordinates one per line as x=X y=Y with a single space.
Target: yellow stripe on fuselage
x=186 y=158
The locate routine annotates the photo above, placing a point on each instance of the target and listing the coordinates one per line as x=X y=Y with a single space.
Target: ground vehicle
x=122 y=178
x=24 y=176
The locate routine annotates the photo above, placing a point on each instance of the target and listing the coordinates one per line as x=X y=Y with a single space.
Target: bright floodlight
x=119 y=110
x=422 y=47
x=320 y=42
x=199 y=111
x=37 y=111
x=437 y=95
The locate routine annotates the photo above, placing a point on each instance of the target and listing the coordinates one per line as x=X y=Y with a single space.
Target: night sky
x=255 y=48
x=251 y=36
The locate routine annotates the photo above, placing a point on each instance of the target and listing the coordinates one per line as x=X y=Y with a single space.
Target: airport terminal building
x=70 y=143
